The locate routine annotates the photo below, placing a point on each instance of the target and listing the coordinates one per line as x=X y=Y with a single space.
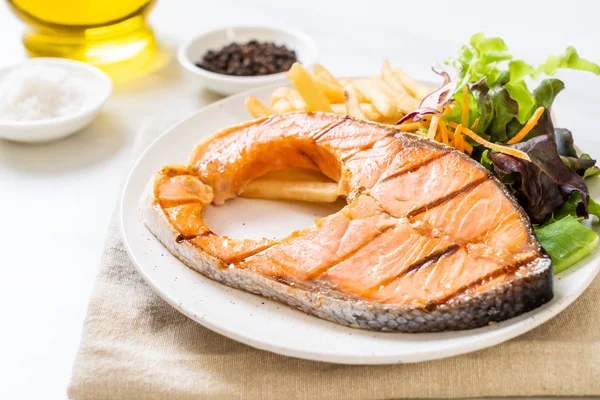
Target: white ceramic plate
x=271 y=326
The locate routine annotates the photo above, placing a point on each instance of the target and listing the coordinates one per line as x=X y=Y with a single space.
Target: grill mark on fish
x=465 y=189
x=233 y=260
x=505 y=270
x=416 y=266
x=416 y=166
x=426 y=261
x=320 y=271
x=329 y=127
x=357 y=150
x=182 y=238
x=239 y=259
x=269 y=120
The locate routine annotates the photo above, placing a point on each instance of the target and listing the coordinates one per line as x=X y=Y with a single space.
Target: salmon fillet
x=428 y=241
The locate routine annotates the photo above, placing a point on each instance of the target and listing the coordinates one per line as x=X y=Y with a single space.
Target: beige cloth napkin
x=136 y=346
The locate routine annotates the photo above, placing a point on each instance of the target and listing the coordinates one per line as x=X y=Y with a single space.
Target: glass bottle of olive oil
x=105 y=33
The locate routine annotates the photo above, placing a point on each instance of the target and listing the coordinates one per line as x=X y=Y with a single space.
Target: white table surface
x=56 y=199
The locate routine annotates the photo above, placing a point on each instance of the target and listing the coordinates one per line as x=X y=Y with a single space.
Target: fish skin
x=499 y=301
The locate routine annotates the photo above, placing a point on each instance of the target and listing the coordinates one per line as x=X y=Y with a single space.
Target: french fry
x=322 y=72
x=404 y=102
x=382 y=98
x=339 y=109
x=282 y=106
x=256 y=108
x=332 y=87
x=370 y=112
x=309 y=90
x=334 y=93
x=297 y=174
x=391 y=93
x=416 y=89
x=312 y=192
x=366 y=110
x=289 y=95
x=352 y=104
x=293 y=184
x=376 y=96
x=392 y=79
x=359 y=96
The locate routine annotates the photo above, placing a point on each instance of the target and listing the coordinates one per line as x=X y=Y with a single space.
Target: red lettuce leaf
x=418 y=114
x=438 y=98
x=584 y=165
x=564 y=142
x=543 y=185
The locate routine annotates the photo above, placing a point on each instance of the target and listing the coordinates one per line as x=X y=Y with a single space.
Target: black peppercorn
x=250 y=59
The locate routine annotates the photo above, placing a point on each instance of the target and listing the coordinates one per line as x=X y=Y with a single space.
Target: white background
x=56 y=200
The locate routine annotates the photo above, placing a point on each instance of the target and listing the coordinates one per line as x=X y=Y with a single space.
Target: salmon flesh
x=429 y=240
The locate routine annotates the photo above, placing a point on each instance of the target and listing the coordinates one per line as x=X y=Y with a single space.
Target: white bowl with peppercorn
x=234 y=59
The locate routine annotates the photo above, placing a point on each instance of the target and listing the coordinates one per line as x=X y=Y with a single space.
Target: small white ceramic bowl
x=55 y=128
x=193 y=51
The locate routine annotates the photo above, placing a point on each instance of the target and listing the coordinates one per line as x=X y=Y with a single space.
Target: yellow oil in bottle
x=110 y=34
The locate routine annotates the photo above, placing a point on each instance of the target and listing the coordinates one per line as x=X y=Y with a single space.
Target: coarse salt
x=37 y=92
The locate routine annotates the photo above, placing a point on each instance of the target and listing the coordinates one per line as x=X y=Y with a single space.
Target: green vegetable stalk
x=567 y=241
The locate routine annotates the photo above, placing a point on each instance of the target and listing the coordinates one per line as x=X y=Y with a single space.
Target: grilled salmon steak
x=428 y=241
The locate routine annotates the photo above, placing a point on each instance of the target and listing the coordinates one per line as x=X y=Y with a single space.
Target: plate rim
x=531 y=319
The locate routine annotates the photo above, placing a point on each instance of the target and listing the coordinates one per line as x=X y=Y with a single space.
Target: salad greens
x=487 y=57
x=567 y=241
x=500 y=108
x=544 y=183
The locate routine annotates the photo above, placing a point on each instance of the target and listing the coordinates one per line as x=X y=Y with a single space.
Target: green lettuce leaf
x=594 y=208
x=485 y=112
x=594 y=170
x=490 y=58
x=485 y=161
x=519 y=70
x=567 y=241
x=480 y=59
x=568 y=60
x=547 y=91
x=591 y=171
x=519 y=92
x=505 y=110
x=570 y=207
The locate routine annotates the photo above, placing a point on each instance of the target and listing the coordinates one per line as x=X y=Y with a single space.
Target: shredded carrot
x=528 y=126
x=447 y=109
x=465 y=107
x=444 y=131
x=458 y=140
x=453 y=124
x=475 y=123
x=450 y=135
x=496 y=147
x=409 y=126
x=467 y=146
x=433 y=127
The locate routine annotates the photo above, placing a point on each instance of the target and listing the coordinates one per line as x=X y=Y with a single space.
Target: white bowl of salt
x=43 y=99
